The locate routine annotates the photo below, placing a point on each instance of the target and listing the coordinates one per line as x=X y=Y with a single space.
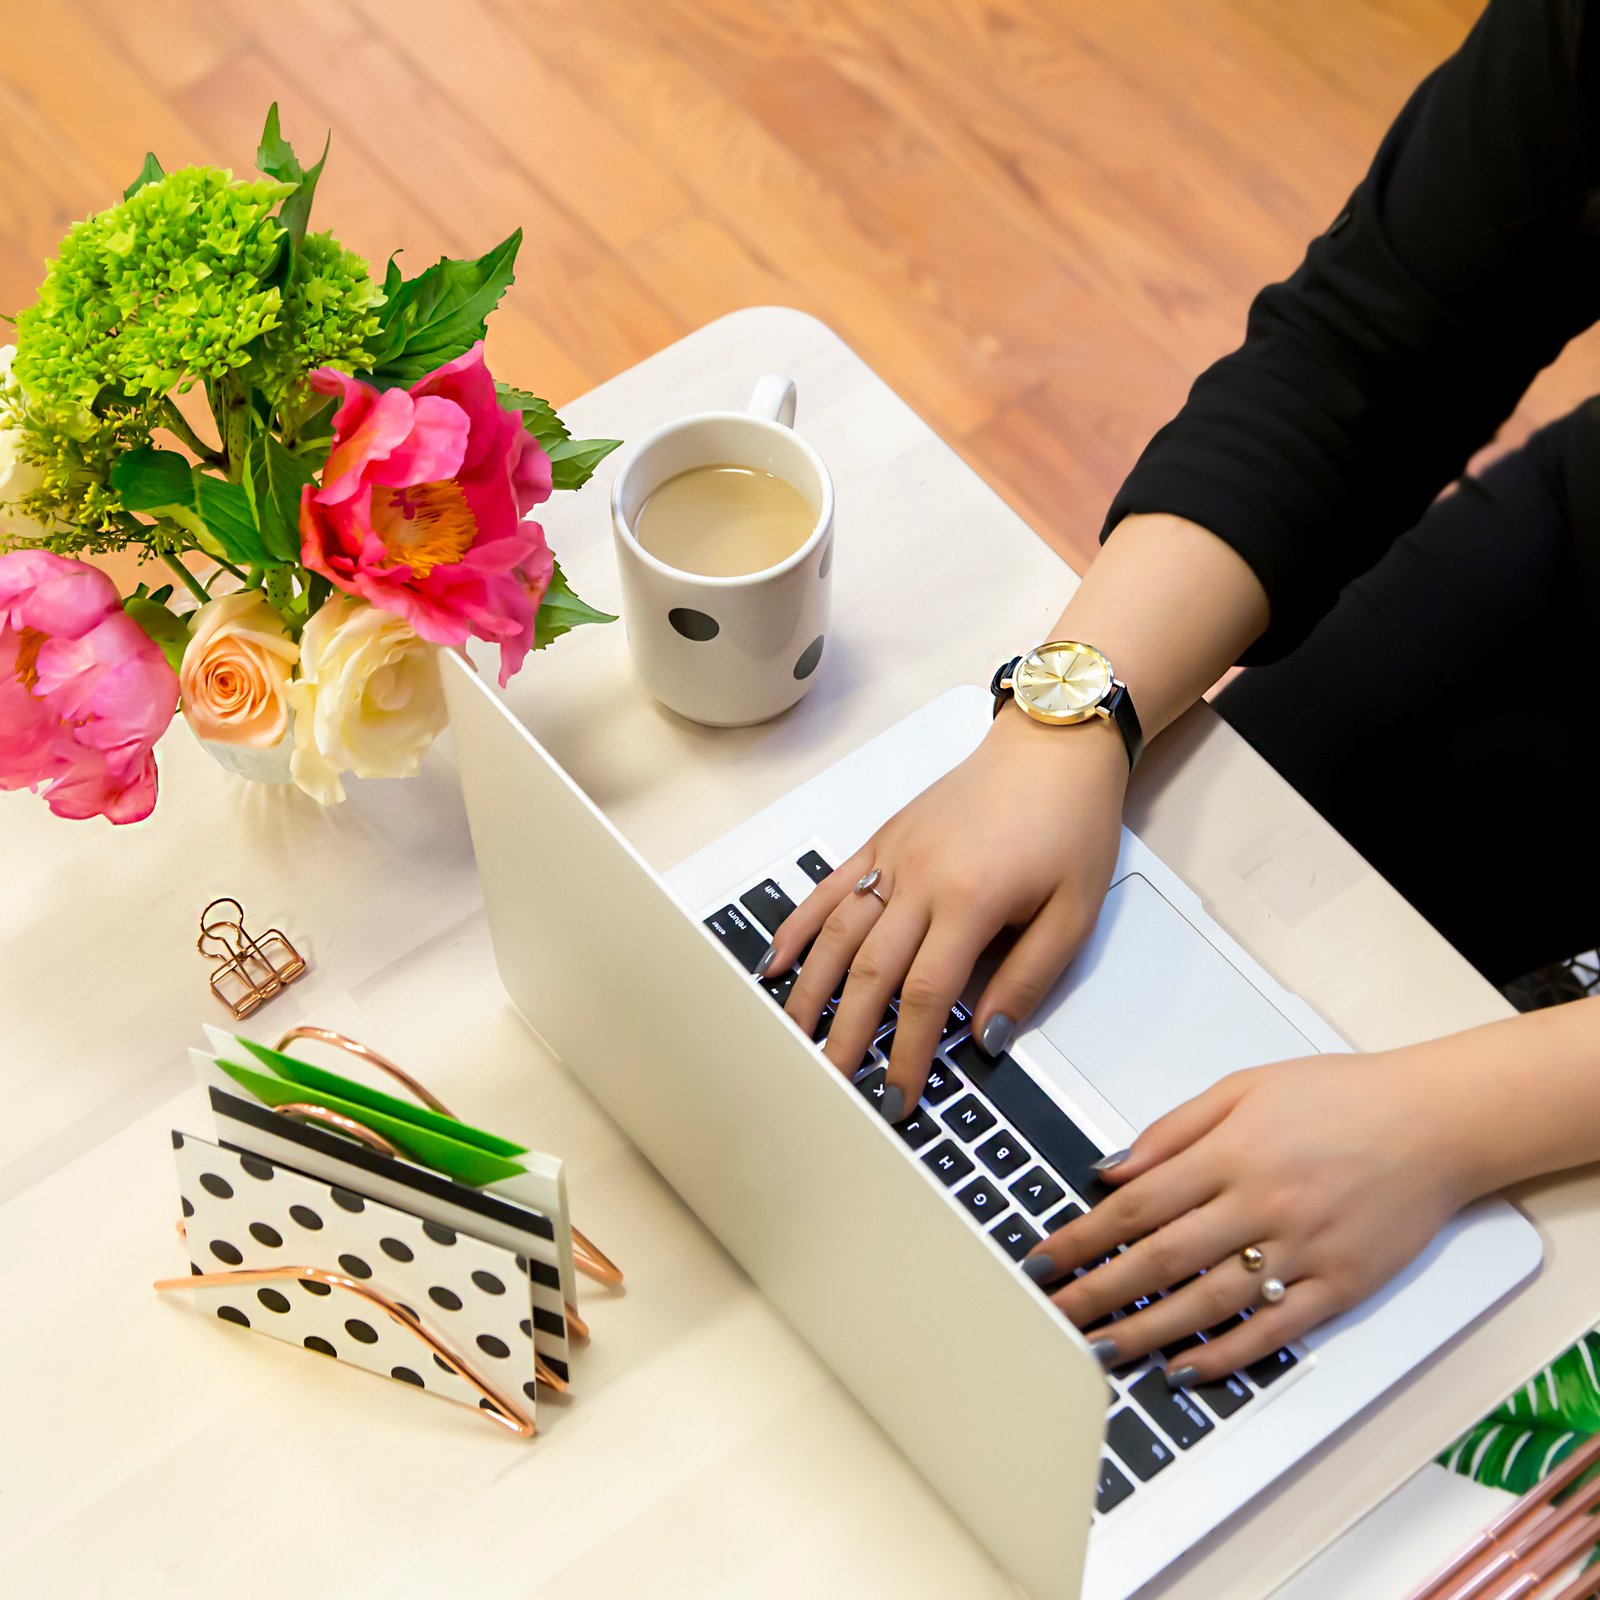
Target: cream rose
x=235 y=672
x=368 y=699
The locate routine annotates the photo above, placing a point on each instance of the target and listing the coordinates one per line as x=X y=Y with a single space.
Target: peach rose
x=236 y=667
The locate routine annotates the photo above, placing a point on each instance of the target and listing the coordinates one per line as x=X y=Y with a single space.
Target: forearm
x=1172 y=606
x=1512 y=1099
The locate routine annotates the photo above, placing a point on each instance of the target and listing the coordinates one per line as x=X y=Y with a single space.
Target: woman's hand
x=1339 y=1168
x=1023 y=834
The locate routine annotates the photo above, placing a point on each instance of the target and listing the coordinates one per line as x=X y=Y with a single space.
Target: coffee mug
x=727 y=651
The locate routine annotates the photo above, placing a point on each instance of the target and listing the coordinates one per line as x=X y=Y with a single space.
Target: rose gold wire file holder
x=587 y=1256
x=250 y=971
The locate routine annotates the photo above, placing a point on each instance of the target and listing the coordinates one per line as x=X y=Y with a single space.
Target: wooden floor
x=1038 y=219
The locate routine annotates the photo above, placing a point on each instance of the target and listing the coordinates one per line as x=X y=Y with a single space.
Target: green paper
x=310 y=1076
x=464 y=1162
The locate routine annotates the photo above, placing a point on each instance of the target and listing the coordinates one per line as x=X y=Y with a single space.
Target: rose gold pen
x=1556 y=1550
x=1584 y=1587
x=1493 y=1551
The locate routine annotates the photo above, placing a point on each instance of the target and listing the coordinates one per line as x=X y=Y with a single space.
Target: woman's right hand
x=1022 y=835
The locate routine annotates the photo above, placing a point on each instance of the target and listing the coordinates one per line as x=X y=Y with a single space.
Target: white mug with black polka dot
x=727 y=651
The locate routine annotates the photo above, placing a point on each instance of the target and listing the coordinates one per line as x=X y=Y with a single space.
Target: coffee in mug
x=723 y=524
x=724 y=521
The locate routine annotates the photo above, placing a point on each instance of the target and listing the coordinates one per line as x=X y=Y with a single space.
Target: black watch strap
x=1118 y=704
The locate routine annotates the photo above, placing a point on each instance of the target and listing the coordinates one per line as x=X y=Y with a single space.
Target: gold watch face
x=1061 y=681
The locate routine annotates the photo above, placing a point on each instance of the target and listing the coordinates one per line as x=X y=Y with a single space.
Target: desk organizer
x=382 y=1232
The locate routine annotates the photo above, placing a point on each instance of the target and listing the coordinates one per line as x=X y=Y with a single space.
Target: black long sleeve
x=1465 y=260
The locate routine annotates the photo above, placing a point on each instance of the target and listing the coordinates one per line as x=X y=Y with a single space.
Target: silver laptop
x=893 y=1251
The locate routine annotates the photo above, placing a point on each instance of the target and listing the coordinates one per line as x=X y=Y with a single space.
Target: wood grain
x=1037 y=220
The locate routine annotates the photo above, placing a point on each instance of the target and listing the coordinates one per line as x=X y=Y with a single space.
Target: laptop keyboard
x=1021 y=1168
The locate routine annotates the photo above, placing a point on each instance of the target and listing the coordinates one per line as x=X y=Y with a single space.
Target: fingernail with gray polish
x=996 y=1034
x=764 y=962
x=1181 y=1377
x=1105 y=1352
x=893 y=1104
x=1114 y=1159
x=1040 y=1268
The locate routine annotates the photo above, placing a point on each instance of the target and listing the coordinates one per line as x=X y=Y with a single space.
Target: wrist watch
x=1063 y=682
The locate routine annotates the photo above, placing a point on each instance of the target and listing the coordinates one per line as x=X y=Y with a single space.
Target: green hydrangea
x=330 y=313
x=156 y=292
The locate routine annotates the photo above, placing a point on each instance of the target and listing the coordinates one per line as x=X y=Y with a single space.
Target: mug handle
x=773 y=399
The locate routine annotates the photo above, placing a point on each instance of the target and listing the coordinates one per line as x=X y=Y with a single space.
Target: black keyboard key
x=1014 y=1236
x=888 y=1020
x=1136 y=1442
x=1059 y=1142
x=919 y=1128
x=819 y=1033
x=744 y=941
x=778 y=988
x=1225 y=1396
x=982 y=1199
x=942 y=1083
x=872 y=1082
x=1068 y=1213
x=814 y=867
x=950 y=1161
x=1002 y=1155
x=969 y=1118
x=1213 y=1334
x=1112 y=1489
x=958 y=1019
x=1173 y=1354
x=1269 y=1369
x=768 y=904
x=1037 y=1191
x=1174 y=1412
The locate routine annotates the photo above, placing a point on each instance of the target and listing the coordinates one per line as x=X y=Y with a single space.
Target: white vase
x=269 y=765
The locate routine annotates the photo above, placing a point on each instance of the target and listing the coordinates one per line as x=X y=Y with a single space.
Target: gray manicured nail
x=764 y=962
x=995 y=1036
x=1114 y=1159
x=1181 y=1377
x=1040 y=1268
x=1105 y=1352
x=893 y=1104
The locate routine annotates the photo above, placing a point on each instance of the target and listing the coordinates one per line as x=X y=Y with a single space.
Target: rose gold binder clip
x=249 y=970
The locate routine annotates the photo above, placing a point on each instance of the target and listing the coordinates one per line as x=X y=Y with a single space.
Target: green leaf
x=275 y=158
x=1536 y=1426
x=224 y=509
x=572 y=461
x=440 y=314
x=153 y=480
x=148 y=173
x=538 y=416
x=561 y=611
x=169 y=632
x=217 y=513
x=273 y=479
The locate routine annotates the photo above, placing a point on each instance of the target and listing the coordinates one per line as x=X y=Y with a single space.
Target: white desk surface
x=148 y=1450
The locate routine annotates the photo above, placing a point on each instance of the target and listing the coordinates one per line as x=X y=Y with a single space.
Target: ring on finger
x=1253 y=1258
x=1272 y=1291
x=868 y=884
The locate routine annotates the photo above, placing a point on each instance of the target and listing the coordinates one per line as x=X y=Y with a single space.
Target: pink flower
x=421 y=507
x=84 y=693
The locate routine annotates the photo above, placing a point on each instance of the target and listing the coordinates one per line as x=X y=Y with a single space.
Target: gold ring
x=1252 y=1258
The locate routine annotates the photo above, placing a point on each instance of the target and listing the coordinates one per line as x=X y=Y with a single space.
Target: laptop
x=893 y=1251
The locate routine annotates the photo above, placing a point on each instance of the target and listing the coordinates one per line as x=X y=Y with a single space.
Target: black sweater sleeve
x=1464 y=261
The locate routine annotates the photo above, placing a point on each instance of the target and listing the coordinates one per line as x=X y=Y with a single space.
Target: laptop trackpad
x=1151 y=1012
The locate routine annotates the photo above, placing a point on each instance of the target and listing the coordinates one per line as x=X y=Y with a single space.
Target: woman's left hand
x=1339 y=1168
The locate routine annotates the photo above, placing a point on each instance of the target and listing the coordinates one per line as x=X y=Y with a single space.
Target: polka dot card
x=243 y=1211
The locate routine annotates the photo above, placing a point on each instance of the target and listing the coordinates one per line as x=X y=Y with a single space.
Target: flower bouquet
x=355 y=481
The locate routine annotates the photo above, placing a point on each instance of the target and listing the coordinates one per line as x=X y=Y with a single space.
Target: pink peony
x=84 y=693
x=421 y=507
